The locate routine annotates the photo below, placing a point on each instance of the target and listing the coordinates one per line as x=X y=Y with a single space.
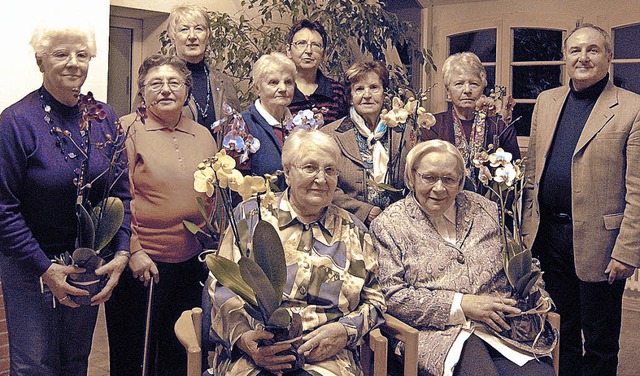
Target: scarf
x=379 y=154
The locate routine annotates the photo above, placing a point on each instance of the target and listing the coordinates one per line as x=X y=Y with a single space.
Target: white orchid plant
x=408 y=114
x=259 y=276
x=504 y=179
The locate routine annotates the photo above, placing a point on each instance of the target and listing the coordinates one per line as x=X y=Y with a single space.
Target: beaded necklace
x=206 y=107
x=63 y=135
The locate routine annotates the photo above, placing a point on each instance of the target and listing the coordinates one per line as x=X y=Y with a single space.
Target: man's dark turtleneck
x=555 y=183
x=199 y=91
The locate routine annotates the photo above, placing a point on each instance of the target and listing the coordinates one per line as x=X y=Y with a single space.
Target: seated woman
x=332 y=274
x=465 y=80
x=274 y=78
x=441 y=272
x=366 y=144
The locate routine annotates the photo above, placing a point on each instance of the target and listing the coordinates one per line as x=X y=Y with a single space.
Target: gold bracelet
x=127 y=254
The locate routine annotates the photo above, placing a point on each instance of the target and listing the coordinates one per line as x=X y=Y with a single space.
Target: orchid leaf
x=384 y=186
x=280 y=317
x=533 y=279
x=86 y=231
x=267 y=298
x=517 y=266
x=107 y=220
x=269 y=254
x=205 y=240
x=203 y=212
x=228 y=275
x=253 y=312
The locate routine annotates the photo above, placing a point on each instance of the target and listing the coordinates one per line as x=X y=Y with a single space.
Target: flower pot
x=526 y=326
x=88 y=281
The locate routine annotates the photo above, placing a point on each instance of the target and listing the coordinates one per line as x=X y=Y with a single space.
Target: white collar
x=267 y=116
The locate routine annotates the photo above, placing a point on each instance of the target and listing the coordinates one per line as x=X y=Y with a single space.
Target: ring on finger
x=63 y=298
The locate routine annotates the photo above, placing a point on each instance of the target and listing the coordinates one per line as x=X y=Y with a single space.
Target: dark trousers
x=589 y=309
x=43 y=340
x=478 y=358
x=179 y=289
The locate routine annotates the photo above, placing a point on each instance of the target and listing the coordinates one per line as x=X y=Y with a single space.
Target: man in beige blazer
x=582 y=201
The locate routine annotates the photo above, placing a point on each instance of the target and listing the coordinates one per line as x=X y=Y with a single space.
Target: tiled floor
x=629 y=342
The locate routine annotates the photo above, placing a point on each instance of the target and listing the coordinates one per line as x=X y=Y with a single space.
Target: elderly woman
x=274 y=78
x=189 y=28
x=465 y=80
x=366 y=144
x=41 y=150
x=331 y=273
x=163 y=150
x=441 y=272
x=306 y=46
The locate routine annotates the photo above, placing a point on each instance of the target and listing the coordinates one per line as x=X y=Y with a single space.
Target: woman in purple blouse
x=41 y=151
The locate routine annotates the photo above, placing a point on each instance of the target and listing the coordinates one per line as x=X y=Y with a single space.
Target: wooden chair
x=188 y=330
x=554 y=320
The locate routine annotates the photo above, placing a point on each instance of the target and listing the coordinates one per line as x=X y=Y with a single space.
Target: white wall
x=19 y=74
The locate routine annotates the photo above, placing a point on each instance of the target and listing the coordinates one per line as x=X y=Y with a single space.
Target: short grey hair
x=273 y=62
x=432 y=146
x=608 y=42
x=298 y=142
x=45 y=32
x=463 y=62
x=186 y=13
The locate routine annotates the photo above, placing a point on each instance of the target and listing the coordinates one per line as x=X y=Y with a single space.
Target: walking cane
x=147 y=327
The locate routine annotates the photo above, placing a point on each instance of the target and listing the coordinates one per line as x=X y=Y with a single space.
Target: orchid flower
x=500 y=158
x=426 y=119
x=398 y=115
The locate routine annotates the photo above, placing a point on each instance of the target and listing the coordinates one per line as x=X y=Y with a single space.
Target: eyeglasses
x=447 y=181
x=199 y=29
x=313 y=170
x=303 y=44
x=156 y=86
x=65 y=56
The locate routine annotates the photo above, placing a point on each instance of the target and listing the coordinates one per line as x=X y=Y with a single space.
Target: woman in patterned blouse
x=441 y=272
x=331 y=273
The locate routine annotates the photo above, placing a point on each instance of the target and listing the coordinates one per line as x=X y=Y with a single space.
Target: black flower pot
x=88 y=281
x=87 y=259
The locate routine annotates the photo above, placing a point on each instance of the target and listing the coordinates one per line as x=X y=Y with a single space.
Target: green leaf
x=228 y=275
x=203 y=212
x=269 y=254
x=86 y=231
x=252 y=274
x=518 y=266
x=280 y=318
x=205 y=240
x=107 y=221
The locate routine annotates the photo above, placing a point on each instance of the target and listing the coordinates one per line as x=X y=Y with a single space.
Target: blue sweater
x=37 y=193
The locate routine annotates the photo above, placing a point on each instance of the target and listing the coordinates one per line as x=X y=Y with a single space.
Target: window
x=536 y=65
x=626 y=57
x=481 y=43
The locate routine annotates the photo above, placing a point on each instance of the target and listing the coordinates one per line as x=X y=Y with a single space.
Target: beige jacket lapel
x=600 y=115
x=547 y=127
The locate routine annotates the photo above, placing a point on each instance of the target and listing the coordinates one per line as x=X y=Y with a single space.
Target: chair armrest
x=394 y=328
x=185 y=330
x=186 y=333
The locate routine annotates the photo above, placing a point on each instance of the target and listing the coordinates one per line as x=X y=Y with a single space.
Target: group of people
x=353 y=251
